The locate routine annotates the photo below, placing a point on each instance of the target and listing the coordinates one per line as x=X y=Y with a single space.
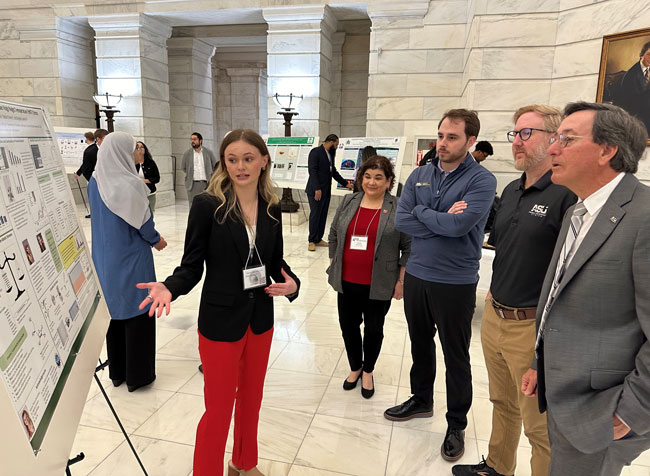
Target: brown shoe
x=322 y=243
x=311 y=247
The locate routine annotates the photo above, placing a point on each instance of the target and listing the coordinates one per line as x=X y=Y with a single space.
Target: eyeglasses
x=138 y=147
x=524 y=134
x=562 y=139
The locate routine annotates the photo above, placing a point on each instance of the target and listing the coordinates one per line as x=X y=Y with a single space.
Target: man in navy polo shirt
x=444 y=207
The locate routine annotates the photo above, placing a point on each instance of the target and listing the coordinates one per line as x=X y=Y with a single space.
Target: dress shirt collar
x=596 y=200
x=643 y=67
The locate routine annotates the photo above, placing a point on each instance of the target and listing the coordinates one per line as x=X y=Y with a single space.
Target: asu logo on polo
x=539 y=210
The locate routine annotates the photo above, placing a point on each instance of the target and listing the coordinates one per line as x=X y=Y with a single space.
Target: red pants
x=231 y=370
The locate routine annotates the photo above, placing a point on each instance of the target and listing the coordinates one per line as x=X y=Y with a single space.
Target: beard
x=196 y=146
x=532 y=158
x=332 y=152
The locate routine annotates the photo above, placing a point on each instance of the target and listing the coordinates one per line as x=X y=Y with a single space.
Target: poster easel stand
x=81 y=456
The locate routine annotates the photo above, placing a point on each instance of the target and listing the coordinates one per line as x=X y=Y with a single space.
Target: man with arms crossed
x=529 y=218
x=593 y=317
x=444 y=208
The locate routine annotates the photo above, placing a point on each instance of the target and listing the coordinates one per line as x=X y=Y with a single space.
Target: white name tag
x=358 y=242
x=254 y=277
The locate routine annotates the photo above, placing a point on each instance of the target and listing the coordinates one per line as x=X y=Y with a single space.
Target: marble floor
x=308 y=425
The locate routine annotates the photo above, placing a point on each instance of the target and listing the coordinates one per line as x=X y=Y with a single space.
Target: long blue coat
x=122 y=256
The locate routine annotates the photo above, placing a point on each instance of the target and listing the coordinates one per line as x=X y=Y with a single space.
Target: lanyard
x=354 y=230
x=252 y=233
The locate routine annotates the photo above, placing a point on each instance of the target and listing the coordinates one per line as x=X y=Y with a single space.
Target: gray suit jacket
x=188 y=165
x=388 y=245
x=595 y=358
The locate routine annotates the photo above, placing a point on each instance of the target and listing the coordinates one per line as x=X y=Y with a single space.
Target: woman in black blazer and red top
x=234 y=227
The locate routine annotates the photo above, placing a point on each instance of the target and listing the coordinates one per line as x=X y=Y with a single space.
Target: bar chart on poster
x=48 y=289
x=289 y=156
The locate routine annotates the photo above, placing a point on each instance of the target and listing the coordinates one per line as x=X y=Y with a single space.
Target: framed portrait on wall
x=624 y=77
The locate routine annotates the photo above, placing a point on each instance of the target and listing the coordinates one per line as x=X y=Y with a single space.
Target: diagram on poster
x=46 y=297
x=72 y=144
x=289 y=156
x=348 y=154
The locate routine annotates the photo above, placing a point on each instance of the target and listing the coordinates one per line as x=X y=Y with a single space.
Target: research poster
x=348 y=154
x=289 y=156
x=72 y=144
x=48 y=293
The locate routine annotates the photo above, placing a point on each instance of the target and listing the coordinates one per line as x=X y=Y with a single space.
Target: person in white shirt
x=198 y=164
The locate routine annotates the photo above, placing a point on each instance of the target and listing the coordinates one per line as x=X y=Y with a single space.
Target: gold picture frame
x=620 y=79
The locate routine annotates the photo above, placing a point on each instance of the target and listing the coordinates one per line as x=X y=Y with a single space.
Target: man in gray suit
x=593 y=317
x=198 y=164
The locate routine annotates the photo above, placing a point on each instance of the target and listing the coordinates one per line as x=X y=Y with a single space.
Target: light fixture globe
x=106 y=100
x=287 y=101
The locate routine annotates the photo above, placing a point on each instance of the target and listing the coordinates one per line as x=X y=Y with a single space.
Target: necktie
x=567 y=250
x=647 y=76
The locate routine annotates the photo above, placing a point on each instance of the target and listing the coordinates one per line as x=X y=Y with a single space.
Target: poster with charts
x=72 y=144
x=348 y=156
x=289 y=156
x=48 y=291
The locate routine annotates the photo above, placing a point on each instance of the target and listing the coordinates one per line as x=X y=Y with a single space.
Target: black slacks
x=318 y=215
x=355 y=306
x=131 y=347
x=447 y=309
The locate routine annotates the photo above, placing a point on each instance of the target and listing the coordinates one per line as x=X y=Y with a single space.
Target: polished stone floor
x=309 y=426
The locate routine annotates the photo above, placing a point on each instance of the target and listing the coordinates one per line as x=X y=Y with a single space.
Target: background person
x=233 y=227
x=367 y=263
x=198 y=164
x=367 y=152
x=123 y=233
x=319 y=188
x=482 y=151
x=147 y=171
x=90 y=156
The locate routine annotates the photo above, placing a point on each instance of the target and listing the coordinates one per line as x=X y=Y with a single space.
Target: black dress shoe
x=201 y=368
x=453 y=447
x=117 y=382
x=481 y=469
x=347 y=385
x=412 y=408
x=88 y=216
x=367 y=393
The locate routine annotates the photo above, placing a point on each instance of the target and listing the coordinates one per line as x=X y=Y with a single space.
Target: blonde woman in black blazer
x=367 y=262
x=234 y=227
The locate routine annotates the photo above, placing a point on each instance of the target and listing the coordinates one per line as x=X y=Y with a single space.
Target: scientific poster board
x=348 y=156
x=49 y=296
x=72 y=143
x=289 y=157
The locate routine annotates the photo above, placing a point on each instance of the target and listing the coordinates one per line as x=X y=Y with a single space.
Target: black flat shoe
x=367 y=393
x=133 y=388
x=347 y=385
x=201 y=368
x=412 y=408
x=117 y=382
x=453 y=447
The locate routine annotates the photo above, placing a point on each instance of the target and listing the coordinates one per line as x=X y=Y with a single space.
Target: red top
x=357 y=264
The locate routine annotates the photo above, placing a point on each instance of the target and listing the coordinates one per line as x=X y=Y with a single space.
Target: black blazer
x=150 y=171
x=226 y=309
x=89 y=161
x=321 y=172
x=634 y=94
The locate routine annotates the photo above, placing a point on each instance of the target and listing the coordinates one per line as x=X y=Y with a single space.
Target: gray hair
x=616 y=127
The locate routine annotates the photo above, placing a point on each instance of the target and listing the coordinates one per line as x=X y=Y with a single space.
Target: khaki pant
x=508 y=347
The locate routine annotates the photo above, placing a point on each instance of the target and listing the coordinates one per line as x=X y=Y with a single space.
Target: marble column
x=48 y=62
x=335 y=91
x=299 y=47
x=132 y=60
x=190 y=91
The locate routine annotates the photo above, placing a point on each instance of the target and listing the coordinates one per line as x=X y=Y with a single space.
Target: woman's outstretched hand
x=159 y=297
x=282 y=289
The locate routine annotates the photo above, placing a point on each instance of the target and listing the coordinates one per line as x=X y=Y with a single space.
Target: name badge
x=423 y=184
x=358 y=242
x=254 y=277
